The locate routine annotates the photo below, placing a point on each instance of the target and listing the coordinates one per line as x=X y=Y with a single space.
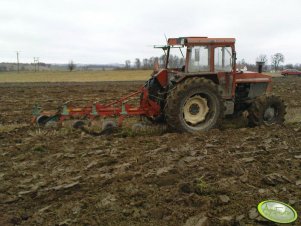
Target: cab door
x=223 y=65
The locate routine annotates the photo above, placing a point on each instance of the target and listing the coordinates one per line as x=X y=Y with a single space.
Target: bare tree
x=151 y=62
x=145 y=64
x=297 y=66
x=243 y=62
x=71 y=65
x=162 y=59
x=127 y=64
x=137 y=63
x=277 y=58
x=175 y=61
x=240 y=64
x=262 y=58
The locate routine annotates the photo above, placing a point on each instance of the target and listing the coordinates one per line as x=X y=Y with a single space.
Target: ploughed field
x=66 y=177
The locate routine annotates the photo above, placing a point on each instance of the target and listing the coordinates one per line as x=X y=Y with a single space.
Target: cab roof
x=200 y=41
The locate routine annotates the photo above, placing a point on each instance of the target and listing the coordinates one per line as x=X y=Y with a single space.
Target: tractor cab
x=204 y=55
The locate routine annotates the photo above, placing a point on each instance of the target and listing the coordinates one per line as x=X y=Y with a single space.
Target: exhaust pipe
x=260 y=66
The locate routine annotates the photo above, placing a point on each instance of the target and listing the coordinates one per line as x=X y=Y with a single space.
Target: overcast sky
x=103 y=31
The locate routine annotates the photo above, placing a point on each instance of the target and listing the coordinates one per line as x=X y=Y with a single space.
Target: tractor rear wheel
x=266 y=110
x=194 y=105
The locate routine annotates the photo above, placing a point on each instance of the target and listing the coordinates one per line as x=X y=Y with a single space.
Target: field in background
x=80 y=76
x=273 y=74
x=75 y=76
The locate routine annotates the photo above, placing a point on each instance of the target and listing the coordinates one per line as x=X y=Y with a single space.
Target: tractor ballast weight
x=192 y=97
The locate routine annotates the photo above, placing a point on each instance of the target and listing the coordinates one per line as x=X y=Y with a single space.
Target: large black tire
x=267 y=110
x=194 y=105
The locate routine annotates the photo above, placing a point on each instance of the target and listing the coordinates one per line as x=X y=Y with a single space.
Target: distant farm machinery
x=193 y=97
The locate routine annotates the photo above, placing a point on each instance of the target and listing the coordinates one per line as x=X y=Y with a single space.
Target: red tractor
x=191 y=97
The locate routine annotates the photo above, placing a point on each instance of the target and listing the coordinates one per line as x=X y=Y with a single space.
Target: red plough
x=119 y=108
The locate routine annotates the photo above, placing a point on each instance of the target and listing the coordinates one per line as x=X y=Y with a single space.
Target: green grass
x=75 y=76
x=201 y=185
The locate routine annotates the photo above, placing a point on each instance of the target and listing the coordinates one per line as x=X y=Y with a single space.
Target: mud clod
x=253 y=213
x=199 y=220
x=224 y=198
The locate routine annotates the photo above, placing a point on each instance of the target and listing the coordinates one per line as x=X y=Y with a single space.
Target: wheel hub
x=269 y=114
x=195 y=110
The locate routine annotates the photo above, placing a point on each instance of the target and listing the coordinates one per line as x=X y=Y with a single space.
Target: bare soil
x=66 y=177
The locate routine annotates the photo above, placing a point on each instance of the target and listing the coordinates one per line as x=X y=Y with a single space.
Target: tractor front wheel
x=194 y=105
x=266 y=110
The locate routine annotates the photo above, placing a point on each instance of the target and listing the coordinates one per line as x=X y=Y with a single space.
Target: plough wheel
x=42 y=120
x=108 y=125
x=79 y=124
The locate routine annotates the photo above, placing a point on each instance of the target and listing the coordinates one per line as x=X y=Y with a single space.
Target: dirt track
x=66 y=177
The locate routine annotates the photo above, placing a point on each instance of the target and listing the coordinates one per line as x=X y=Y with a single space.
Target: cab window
x=199 y=59
x=223 y=59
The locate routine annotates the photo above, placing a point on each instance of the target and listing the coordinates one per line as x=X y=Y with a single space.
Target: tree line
x=148 y=63
x=276 y=61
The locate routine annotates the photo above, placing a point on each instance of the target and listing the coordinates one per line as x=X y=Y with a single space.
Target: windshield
x=177 y=57
x=199 y=59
